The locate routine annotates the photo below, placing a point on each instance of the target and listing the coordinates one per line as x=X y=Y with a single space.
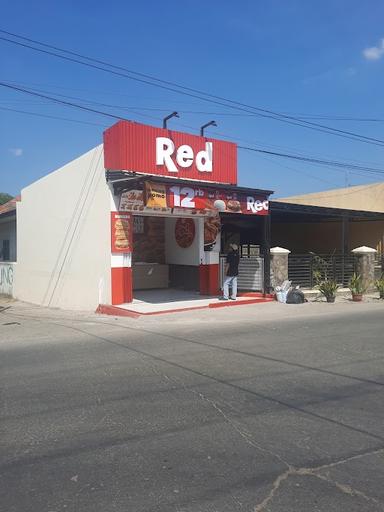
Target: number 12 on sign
x=183 y=197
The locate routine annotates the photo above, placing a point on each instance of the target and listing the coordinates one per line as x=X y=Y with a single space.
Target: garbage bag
x=295 y=297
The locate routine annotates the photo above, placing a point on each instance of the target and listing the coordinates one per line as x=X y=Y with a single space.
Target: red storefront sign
x=160 y=195
x=145 y=149
x=121 y=232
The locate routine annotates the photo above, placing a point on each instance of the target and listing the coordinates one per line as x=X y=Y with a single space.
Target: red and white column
x=209 y=268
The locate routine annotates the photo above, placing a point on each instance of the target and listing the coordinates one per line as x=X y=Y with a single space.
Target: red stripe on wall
x=121 y=285
x=209 y=279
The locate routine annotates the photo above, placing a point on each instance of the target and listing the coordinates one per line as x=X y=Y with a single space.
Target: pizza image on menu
x=185 y=232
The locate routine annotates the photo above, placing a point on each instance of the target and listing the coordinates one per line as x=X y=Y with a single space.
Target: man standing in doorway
x=231 y=273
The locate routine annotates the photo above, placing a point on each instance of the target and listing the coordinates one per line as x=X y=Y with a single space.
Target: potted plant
x=328 y=288
x=356 y=287
x=379 y=283
x=321 y=275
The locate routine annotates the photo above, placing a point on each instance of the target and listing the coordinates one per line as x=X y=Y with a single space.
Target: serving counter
x=150 y=275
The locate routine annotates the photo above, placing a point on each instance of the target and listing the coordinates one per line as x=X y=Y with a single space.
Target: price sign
x=183 y=197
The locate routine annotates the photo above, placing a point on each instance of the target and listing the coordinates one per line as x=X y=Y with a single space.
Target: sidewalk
x=261 y=313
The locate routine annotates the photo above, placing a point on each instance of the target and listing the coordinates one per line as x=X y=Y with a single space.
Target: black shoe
x=232 y=298
x=222 y=298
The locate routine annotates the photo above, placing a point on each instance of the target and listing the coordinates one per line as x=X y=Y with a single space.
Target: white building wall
x=176 y=255
x=8 y=232
x=63 y=237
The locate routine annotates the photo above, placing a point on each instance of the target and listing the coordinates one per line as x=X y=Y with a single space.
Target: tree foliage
x=4 y=197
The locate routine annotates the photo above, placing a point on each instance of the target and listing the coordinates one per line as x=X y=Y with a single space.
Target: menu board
x=121 y=232
x=184 y=200
x=205 y=199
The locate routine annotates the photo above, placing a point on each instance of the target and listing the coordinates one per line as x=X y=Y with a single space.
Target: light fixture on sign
x=211 y=123
x=174 y=114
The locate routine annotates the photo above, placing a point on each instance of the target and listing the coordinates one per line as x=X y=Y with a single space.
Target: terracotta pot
x=357 y=297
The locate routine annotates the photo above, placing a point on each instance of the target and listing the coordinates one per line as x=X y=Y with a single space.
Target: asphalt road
x=267 y=408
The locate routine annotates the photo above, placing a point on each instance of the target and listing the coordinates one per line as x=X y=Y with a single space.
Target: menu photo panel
x=121 y=232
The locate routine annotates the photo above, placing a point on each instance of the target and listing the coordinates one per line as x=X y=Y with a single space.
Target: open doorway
x=166 y=258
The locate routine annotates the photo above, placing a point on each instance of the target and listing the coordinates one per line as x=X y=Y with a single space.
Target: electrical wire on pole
x=180 y=89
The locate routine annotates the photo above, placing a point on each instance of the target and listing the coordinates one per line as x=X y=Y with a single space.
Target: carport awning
x=292 y=212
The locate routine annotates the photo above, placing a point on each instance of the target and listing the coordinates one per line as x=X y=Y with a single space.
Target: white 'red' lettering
x=204 y=158
x=256 y=206
x=164 y=149
x=185 y=157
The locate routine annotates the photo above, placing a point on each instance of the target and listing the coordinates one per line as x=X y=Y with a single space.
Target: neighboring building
x=361 y=197
x=359 y=229
x=8 y=246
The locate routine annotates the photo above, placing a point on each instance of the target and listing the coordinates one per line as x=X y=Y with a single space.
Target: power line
x=181 y=110
x=298 y=171
x=332 y=163
x=170 y=86
x=51 y=117
x=67 y=103
x=135 y=111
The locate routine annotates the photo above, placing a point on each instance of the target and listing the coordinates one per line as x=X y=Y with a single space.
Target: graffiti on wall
x=6 y=279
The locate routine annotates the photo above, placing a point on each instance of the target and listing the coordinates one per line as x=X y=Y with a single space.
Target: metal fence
x=379 y=260
x=251 y=273
x=302 y=267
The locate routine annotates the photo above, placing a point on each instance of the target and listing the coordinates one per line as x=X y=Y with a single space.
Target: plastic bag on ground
x=295 y=297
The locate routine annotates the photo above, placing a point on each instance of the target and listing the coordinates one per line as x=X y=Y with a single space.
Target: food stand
x=174 y=191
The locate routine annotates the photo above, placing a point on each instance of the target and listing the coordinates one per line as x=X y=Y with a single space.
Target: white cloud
x=16 y=151
x=374 y=52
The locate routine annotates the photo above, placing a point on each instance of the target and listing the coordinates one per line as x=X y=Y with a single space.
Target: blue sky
x=296 y=57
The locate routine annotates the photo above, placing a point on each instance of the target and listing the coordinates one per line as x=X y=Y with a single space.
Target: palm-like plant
x=379 y=283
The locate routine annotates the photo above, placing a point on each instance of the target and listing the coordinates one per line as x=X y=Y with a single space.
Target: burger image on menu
x=121 y=234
